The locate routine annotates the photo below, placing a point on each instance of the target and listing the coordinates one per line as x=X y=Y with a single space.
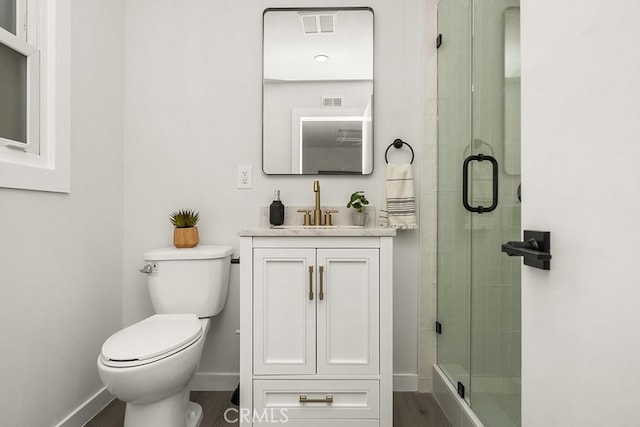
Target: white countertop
x=341 y=219
x=294 y=231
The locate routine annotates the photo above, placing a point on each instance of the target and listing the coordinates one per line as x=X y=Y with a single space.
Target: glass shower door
x=495 y=277
x=479 y=205
x=454 y=233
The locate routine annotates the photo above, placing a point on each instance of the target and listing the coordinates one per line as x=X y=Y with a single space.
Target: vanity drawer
x=326 y=422
x=296 y=399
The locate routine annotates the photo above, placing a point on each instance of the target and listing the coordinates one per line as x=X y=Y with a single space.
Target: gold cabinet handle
x=311 y=283
x=327 y=399
x=321 y=273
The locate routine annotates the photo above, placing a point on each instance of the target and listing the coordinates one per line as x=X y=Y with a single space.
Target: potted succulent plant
x=358 y=202
x=185 y=233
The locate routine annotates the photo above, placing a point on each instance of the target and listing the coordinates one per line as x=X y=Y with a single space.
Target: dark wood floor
x=409 y=410
x=417 y=409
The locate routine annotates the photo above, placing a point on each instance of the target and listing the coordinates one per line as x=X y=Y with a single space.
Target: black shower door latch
x=535 y=249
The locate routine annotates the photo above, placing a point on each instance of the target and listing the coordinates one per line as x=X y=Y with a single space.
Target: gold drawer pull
x=327 y=399
x=321 y=273
x=311 y=282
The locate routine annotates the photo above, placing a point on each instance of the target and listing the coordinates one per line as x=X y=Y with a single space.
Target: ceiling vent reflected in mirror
x=332 y=102
x=318 y=23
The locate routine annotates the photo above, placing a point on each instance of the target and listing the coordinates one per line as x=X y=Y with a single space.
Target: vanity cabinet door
x=284 y=320
x=348 y=311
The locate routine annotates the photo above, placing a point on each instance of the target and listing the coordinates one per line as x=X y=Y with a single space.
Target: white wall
x=580 y=141
x=193 y=114
x=60 y=254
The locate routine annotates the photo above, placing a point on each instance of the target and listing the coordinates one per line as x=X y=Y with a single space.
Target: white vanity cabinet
x=315 y=311
x=316 y=328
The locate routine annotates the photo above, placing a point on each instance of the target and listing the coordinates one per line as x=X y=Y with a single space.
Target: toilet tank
x=190 y=280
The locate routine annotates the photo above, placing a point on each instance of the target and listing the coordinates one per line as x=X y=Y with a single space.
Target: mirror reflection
x=512 y=90
x=318 y=91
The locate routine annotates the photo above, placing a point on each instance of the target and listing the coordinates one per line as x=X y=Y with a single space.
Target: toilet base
x=194 y=415
x=174 y=411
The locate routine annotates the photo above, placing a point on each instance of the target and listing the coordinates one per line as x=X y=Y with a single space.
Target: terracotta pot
x=185 y=237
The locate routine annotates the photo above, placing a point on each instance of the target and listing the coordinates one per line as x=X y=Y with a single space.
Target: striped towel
x=398 y=204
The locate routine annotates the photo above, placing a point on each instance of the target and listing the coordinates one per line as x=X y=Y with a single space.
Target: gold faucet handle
x=327 y=216
x=307 y=216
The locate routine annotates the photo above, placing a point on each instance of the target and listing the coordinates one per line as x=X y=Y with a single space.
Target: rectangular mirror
x=317 y=91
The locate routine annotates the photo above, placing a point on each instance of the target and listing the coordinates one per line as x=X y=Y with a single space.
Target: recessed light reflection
x=321 y=58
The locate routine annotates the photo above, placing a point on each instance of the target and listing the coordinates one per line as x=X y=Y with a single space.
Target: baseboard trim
x=87 y=410
x=405 y=382
x=212 y=381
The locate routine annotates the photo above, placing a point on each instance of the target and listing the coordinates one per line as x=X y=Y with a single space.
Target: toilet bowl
x=150 y=365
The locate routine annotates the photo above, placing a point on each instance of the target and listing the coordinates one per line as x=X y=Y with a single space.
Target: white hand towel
x=398 y=203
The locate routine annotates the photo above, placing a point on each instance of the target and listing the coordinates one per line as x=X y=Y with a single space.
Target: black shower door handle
x=465 y=183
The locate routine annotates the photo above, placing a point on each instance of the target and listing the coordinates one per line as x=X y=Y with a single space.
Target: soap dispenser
x=276 y=211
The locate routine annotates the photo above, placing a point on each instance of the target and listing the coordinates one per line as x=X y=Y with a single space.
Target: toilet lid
x=199 y=252
x=150 y=339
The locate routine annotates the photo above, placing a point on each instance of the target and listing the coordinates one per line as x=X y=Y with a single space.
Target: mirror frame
x=322 y=9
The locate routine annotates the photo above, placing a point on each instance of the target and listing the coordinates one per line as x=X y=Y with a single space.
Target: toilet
x=150 y=365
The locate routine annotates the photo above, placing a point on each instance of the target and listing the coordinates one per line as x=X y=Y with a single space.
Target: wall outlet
x=244 y=176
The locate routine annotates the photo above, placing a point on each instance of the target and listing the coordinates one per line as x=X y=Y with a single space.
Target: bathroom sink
x=341 y=218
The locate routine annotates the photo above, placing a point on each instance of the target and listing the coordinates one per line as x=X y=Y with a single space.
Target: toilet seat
x=151 y=339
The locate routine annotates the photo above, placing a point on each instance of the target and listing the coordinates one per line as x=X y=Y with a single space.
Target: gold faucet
x=317 y=212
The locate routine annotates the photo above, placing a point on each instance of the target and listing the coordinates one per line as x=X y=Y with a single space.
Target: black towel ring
x=398 y=143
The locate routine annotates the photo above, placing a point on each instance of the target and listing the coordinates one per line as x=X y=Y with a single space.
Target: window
x=34 y=94
x=19 y=86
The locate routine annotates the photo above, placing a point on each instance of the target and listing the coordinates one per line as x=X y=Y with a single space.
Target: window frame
x=42 y=164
